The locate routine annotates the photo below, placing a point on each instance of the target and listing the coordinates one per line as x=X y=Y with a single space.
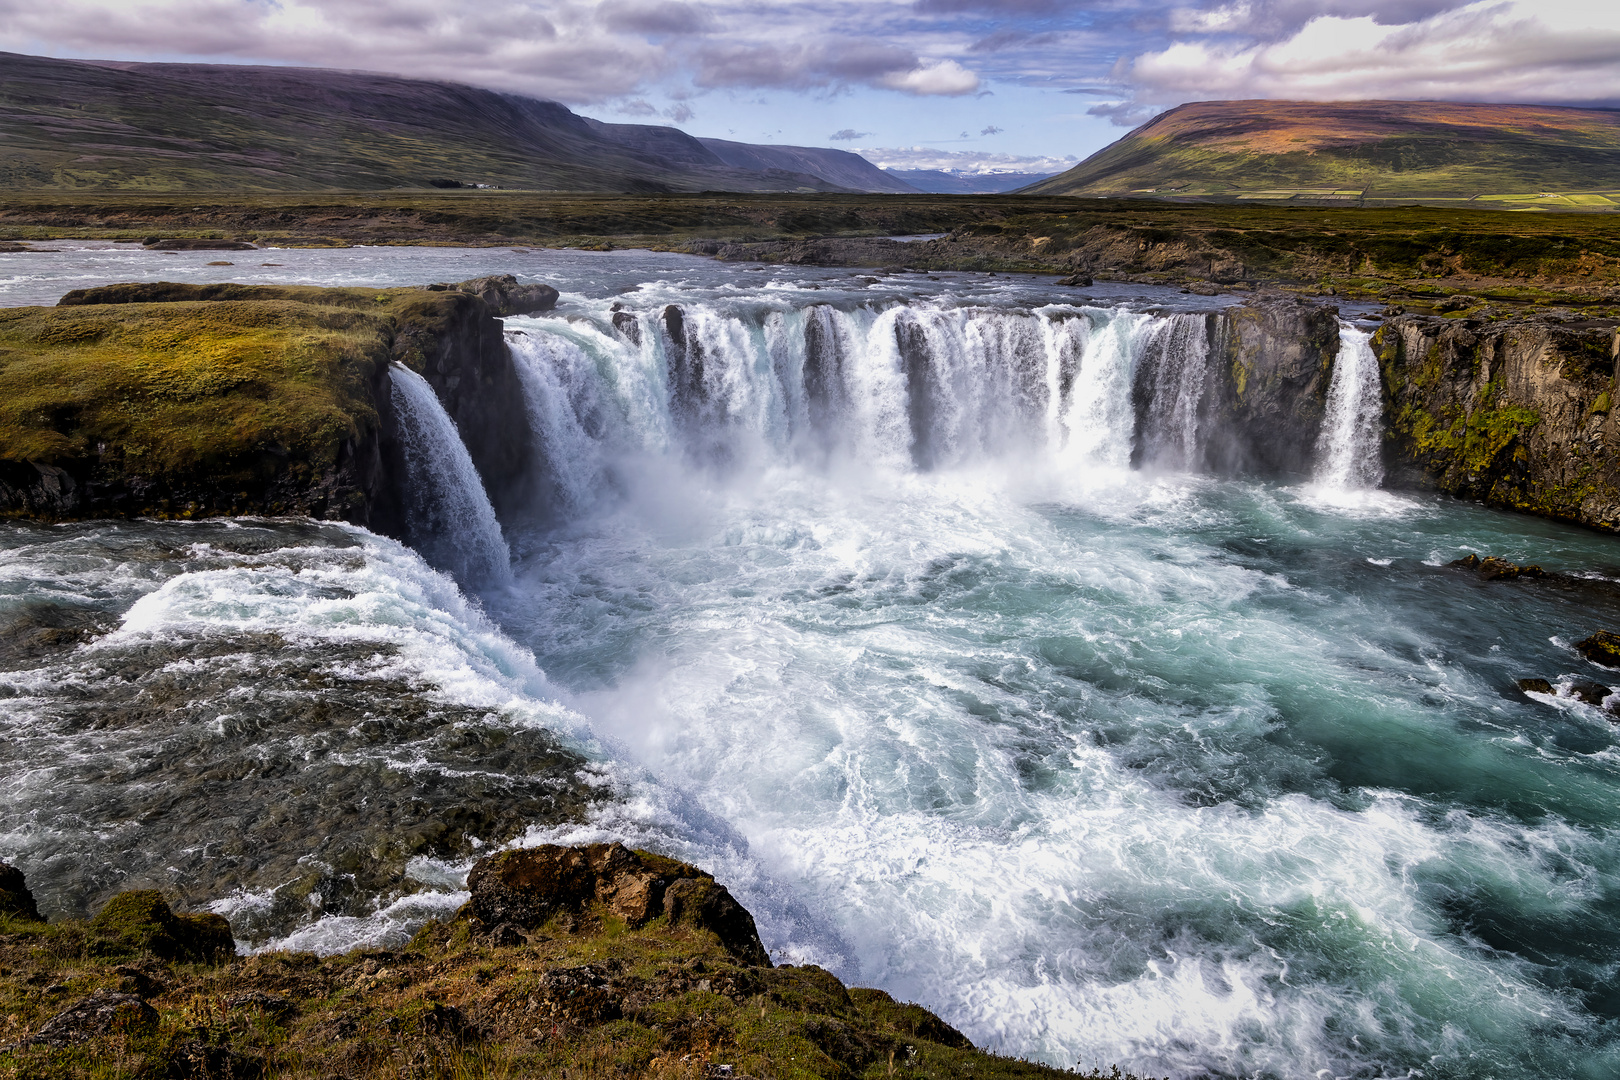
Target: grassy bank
x=1416 y=252
x=580 y=999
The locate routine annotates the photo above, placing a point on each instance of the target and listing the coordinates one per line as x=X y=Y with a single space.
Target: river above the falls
x=884 y=603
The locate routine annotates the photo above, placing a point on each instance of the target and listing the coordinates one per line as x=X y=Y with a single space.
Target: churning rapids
x=906 y=607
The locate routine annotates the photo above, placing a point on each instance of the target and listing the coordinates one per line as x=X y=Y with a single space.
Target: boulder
x=505 y=296
x=1080 y=281
x=142 y=920
x=1590 y=692
x=1535 y=686
x=529 y=887
x=1602 y=647
x=102 y=1013
x=15 y=899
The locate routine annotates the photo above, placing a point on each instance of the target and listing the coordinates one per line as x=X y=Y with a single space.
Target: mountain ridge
x=1362 y=153
x=117 y=125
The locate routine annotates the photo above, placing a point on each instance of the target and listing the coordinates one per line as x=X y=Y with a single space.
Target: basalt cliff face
x=165 y=400
x=1516 y=413
x=1274 y=367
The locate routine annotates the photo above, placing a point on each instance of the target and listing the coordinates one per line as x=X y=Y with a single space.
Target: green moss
x=227 y=387
x=451 y=1005
x=141 y=921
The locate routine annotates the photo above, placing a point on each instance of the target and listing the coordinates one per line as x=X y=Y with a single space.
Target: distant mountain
x=1362 y=152
x=941 y=182
x=85 y=124
x=835 y=166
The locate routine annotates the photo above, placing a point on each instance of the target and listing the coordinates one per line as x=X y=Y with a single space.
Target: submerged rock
x=15 y=899
x=1589 y=692
x=1602 y=647
x=1496 y=568
x=530 y=887
x=142 y=920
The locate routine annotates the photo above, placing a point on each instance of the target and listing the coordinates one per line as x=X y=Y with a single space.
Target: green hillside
x=1361 y=153
x=78 y=125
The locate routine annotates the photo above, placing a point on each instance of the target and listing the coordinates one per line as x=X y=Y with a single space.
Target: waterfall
x=1171 y=391
x=448 y=517
x=1348 y=453
x=906 y=387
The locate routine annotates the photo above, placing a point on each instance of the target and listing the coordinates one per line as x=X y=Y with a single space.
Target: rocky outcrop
x=1514 y=413
x=253 y=399
x=15 y=898
x=1602 y=648
x=454 y=340
x=504 y=296
x=142 y=921
x=102 y=1013
x=529 y=887
x=1273 y=361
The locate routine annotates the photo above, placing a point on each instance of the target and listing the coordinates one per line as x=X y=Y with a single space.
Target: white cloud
x=944 y=77
x=1494 y=50
x=966 y=162
x=554 y=49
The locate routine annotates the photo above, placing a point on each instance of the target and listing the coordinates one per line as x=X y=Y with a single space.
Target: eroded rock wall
x=1272 y=363
x=1516 y=414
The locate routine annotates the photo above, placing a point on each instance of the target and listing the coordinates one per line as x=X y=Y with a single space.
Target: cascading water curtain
x=906 y=387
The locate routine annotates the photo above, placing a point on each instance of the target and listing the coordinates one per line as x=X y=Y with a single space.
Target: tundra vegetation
x=618 y=982
x=1411 y=254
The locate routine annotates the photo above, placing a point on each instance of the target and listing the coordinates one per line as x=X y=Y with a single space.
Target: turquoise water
x=1206 y=777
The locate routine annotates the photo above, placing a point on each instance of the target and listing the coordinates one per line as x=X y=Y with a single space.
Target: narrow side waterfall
x=1348 y=449
x=909 y=387
x=448 y=515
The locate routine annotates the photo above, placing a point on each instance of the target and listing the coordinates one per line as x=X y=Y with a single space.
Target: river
x=886 y=598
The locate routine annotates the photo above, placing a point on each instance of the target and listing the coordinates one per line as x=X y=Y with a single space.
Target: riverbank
x=1404 y=254
x=587 y=990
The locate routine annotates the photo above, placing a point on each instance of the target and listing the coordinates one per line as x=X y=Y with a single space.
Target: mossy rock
x=1602 y=647
x=142 y=921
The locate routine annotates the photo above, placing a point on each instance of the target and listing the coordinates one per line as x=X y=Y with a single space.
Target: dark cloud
x=991 y=129
x=993 y=7
x=1007 y=40
x=829 y=62
x=847 y=135
x=653 y=17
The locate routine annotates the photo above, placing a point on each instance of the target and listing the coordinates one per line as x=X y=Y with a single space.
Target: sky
x=969 y=85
